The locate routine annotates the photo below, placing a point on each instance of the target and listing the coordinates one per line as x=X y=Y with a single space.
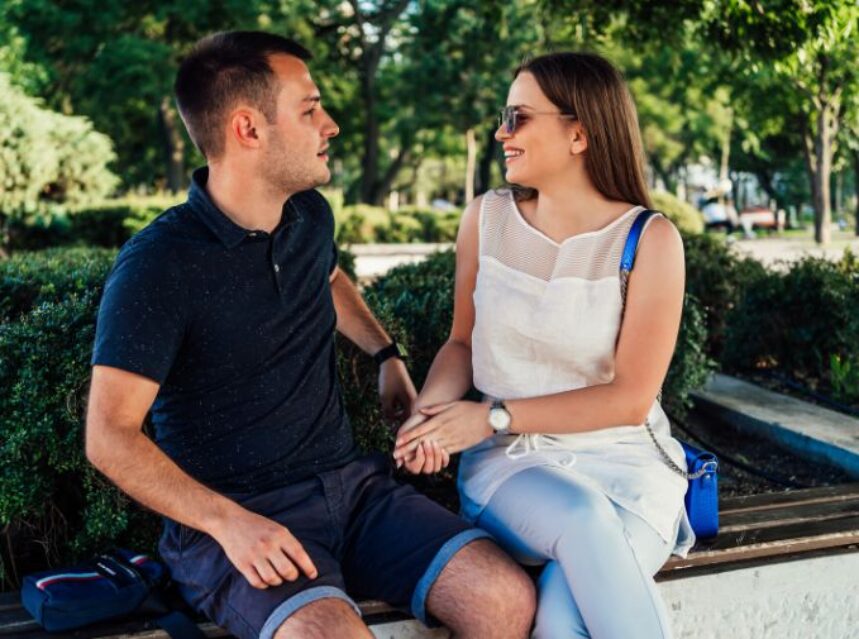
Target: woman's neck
x=565 y=209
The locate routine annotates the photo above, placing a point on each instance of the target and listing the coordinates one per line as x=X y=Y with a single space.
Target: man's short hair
x=223 y=69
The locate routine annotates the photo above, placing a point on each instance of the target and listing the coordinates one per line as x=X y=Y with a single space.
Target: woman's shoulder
x=661 y=244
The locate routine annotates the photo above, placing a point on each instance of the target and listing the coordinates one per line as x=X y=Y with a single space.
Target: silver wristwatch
x=499 y=417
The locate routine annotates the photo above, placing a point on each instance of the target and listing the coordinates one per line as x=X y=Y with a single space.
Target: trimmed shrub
x=108 y=224
x=54 y=506
x=29 y=279
x=691 y=365
x=687 y=218
x=718 y=279
x=797 y=320
x=365 y=224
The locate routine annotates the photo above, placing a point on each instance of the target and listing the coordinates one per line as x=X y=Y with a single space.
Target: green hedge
x=797 y=321
x=32 y=278
x=365 y=224
x=55 y=508
x=718 y=279
x=109 y=224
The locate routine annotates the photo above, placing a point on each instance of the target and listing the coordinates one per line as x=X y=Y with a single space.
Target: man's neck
x=245 y=199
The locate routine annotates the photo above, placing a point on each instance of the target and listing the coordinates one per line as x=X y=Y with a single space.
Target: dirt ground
x=750 y=464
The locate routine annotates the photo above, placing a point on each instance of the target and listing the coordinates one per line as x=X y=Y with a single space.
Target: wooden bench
x=756 y=531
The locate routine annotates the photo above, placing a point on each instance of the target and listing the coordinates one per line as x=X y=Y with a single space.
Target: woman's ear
x=578 y=139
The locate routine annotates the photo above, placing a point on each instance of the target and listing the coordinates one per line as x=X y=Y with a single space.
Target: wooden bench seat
x=758 y=530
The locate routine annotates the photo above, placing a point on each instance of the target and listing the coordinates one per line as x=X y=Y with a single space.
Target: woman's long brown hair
x=591 y=88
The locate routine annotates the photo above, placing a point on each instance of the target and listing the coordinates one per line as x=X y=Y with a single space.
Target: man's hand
x=396 y=390
x=265 y=552
x=454 y=426
x=429 y=457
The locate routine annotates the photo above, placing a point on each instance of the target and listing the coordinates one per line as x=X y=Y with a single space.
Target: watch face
x=499 y=419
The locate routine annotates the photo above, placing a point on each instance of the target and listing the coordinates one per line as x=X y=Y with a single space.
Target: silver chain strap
x=706 y=468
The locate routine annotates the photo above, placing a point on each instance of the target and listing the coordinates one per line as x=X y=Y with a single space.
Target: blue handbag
x=702 y=493
x=107 y=587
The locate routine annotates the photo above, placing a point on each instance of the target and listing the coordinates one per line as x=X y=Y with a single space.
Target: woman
x=557 y=464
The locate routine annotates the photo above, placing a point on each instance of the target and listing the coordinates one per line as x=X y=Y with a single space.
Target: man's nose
x=331 y=129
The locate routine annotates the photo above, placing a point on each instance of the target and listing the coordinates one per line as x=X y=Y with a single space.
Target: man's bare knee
x=323 y=619
x=479 y=587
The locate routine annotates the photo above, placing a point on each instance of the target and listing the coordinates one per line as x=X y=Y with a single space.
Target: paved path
x=373 y=260
x=770 y=251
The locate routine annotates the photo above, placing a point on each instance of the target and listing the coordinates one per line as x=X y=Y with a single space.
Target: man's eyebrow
x=313 y=98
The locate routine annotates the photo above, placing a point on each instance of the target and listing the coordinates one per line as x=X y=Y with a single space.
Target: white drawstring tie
x=527 y=443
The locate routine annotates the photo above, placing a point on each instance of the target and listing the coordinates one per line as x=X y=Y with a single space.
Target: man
x=220 y=316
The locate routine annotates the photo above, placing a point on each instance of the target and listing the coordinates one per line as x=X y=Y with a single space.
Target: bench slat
x=788 y=514
x=777 y=540
x=823 y=494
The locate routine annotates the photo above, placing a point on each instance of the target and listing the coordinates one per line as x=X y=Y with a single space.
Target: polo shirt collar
x=228 y=232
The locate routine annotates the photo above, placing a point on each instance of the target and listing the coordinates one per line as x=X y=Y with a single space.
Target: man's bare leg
x=484 y=594
x=324 y=619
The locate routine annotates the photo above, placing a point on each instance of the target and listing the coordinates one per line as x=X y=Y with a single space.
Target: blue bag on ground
x=702 y=495
x=107 y=587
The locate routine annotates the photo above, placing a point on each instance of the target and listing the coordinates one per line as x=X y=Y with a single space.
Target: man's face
x=295 y=157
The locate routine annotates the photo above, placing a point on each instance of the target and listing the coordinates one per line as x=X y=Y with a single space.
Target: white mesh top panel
x=508 y=238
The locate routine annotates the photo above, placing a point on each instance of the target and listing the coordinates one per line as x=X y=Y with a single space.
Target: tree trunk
x=370 y=157
x=823 y=158
x=174 y=145
x=470 y=161
x=373 y=190
x=381 y=187
x=484 y=167
x=724 y=164
x=856 y=186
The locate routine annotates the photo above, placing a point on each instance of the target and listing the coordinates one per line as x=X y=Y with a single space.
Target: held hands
x=396 y=390
x=429 y=457
x=265 y=552
x=448 y=428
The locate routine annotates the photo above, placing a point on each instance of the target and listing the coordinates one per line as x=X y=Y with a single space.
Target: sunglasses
x=510 y=117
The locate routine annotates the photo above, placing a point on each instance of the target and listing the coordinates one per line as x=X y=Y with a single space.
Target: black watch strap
x=392 y=350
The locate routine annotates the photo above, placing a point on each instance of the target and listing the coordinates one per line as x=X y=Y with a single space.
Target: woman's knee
x=588 y=515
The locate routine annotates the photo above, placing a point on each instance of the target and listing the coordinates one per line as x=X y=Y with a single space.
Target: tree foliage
x=47 y=160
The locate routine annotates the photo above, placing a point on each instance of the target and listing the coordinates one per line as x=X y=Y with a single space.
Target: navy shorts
x=366 y=533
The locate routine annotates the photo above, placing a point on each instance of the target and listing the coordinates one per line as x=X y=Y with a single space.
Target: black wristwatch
x=392 y=350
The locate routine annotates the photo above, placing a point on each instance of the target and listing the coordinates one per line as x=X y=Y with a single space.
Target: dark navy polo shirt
x=237 y=326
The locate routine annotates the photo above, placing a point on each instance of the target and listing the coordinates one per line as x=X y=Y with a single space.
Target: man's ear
x=578 y=139
x=243 y=128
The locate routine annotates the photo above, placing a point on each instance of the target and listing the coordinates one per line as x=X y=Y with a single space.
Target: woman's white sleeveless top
x=547 y=317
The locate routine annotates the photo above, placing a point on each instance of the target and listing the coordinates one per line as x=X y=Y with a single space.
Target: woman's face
x=540 y=147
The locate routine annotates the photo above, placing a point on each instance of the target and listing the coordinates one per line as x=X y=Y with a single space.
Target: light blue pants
x=598 y=579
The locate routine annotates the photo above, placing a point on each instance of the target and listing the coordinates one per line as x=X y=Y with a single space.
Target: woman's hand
x=427 y=458
x=454 y=426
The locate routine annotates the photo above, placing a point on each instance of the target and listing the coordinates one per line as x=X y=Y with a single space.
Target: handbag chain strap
x=626 y=263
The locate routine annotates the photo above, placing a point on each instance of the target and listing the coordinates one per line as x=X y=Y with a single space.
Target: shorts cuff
x=291 y=605
x=443 y=556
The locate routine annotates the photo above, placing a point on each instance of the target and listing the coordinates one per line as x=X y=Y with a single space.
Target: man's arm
x=359 y=325
x=355 y=320
x=262 y=550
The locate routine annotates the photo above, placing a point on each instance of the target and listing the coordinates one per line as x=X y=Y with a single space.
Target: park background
x=754 y=104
